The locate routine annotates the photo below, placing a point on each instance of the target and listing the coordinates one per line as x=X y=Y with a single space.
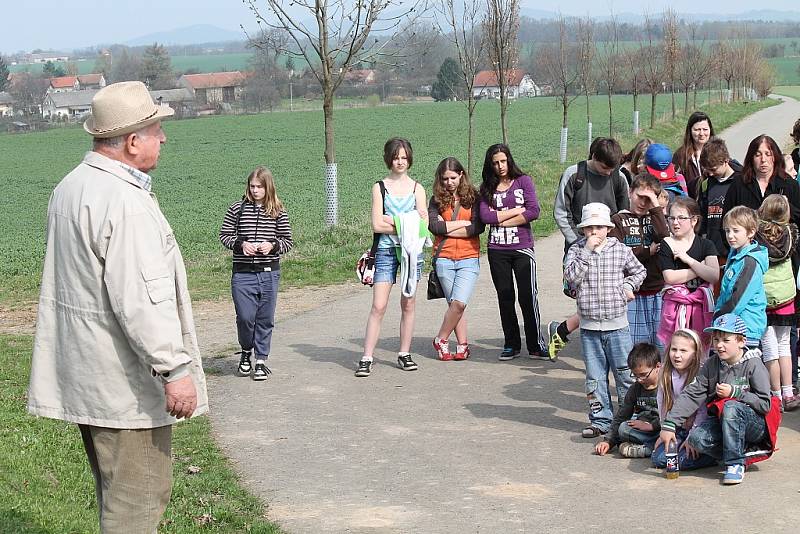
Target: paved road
x=459 y=447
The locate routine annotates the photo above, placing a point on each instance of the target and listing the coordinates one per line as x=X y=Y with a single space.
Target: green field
x=205 y=162
x=787 y=90
x=786 y=69
x=180 y=64
x=47 y=486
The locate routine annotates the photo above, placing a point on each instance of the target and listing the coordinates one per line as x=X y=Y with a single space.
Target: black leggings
x=505 y=266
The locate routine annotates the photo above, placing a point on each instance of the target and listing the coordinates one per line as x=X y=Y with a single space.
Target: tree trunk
x=470 y=133
x=672 y=90
x=653 y=96
x=331 y=196
x=503 y=106
x=610 y=116
x=686 y=100
x=564 y=107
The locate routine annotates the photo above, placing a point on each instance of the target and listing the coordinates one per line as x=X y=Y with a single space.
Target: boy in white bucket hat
x=605 y=274
x=115 y=349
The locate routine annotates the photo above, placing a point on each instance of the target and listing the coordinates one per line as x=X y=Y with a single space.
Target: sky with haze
x=60 y=24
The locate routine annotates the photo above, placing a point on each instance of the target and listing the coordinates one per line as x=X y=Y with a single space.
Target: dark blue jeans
x=254 y=297
x=659 y=457
x=726 y=438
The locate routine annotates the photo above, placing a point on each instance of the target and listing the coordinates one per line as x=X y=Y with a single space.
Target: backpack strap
x=579 y=176
x=239 y=215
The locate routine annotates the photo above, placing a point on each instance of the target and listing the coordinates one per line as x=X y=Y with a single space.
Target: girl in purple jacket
x=508 y=204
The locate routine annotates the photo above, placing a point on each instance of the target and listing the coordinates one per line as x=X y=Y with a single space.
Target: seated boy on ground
x=636 y=425
x=734 y=384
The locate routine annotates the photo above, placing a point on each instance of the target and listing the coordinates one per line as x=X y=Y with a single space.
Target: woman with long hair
x=454 y=218
x=397 y=194
x=763 y=174
x=633 y=162
x=508 y=204
x=257 y=229
x=699 y=130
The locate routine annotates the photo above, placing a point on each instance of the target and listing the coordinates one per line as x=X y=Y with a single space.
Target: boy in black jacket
x=635 y=426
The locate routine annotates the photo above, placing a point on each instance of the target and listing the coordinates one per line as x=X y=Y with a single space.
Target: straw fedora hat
x=122 y=108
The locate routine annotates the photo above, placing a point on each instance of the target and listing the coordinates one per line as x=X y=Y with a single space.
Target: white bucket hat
x=596 y=214
x=122 y=108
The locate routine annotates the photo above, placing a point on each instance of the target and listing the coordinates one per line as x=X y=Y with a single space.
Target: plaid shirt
x=142 y=178
x=601 y=278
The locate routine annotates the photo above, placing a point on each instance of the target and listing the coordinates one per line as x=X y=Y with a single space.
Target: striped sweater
x=255 y=227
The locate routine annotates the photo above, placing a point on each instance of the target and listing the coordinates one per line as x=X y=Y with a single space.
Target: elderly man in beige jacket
x=115 y=349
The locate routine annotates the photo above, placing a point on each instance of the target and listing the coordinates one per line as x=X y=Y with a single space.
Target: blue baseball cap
x=730 y=322
x=658 y=156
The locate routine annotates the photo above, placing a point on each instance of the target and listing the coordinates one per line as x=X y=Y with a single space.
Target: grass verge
x=46 y=485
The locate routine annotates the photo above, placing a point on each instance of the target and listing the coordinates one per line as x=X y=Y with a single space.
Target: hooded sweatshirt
x=779 y=283
x=742 y=288
x=711 y=198
x=748 y=377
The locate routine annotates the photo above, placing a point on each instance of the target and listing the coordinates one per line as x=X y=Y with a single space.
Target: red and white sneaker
x=462 y=351
x=442 y=348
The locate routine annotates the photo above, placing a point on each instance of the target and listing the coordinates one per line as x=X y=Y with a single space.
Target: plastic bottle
x=673 y=469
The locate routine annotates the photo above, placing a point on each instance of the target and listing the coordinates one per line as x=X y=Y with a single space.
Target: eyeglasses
x=680 y=218
x=639 y=378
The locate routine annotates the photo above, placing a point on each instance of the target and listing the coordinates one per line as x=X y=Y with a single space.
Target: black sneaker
x=364 y=368
x=261 y=371
x=508 y=354
x=405 y=363
x=244 y=364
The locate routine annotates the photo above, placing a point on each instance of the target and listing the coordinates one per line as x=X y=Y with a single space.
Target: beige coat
x=114 y=310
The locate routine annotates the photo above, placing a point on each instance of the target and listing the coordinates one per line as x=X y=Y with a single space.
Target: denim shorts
x=387 y=265
x=458 y=277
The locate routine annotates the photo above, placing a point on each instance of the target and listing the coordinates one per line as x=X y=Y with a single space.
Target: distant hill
x=197 y=34
x=755 y=14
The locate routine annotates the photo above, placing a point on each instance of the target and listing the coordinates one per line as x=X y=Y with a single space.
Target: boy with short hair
x=734 y=384
x=642 y=228
x=605 y=273
x=742 y=288
x=636 y=424
x=597 y=179
x=719 y=173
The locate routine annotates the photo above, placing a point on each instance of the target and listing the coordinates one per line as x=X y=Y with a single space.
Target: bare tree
x=693 y=65
x=501 y=25
x=586 y=57
x=672 y=50
x=609 y=59
x=341 y=33
x=653 y=66
x=464 y=30
x=559 y=61
x=632 y=58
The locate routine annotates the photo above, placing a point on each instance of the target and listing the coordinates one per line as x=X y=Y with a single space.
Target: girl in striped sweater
x=257 y=229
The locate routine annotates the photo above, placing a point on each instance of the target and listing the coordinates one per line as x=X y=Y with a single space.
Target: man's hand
x=181 y=397
x=249 y=249
x=602 y=448
x=724 y=390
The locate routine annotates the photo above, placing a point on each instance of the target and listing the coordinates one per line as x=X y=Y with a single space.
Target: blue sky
x=79 y=23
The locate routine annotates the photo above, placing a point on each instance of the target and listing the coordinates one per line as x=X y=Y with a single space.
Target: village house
x=64 y=84
x=519 y=85
x=70 y=105
x=181 y=100
x=214 y=87
x=6 y=104
x=359 y=77
x=91 y=81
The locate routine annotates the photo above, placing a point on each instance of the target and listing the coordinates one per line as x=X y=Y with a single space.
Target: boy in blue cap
x=658 y=160
x=734 y=384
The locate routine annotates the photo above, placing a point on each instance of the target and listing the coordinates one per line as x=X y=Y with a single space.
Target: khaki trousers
x=132 y=472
